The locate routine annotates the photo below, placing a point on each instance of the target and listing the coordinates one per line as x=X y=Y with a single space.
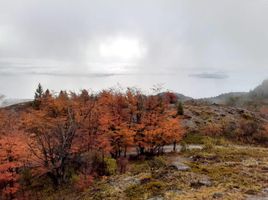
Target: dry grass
x=234 y=171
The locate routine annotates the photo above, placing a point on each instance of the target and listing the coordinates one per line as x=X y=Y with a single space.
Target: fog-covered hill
x=8 y=102
x=261 y=91
x=254 y=98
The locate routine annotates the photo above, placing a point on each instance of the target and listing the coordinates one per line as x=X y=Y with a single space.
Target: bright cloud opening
x=121 y=49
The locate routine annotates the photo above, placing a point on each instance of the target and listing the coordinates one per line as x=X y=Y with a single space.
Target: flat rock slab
x=250 y=162
x=218 y=195
x=124 y=181
x=177 y=165
x=262 y=196
x=257 y=198
x=205 y=181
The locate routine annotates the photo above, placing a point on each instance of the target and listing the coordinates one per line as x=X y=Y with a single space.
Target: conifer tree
x=37 y=96
x=180 y=110
x=38 y=92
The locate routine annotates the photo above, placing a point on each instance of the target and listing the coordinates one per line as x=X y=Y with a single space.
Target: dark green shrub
x=180 y=110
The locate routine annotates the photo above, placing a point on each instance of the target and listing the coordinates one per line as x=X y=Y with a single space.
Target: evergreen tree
x=180 y=109
x=38 y=92
x=37 y=96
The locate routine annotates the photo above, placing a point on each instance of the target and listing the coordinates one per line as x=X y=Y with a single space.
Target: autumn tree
x=13 y=153
x=53 y=128
x=173 y=131
x=80 y=131
x=157 y=128
x=170 y=97
x=89 y=127
x=13 y=157
x=93 y=121
x=114 y=119
x=52 y=146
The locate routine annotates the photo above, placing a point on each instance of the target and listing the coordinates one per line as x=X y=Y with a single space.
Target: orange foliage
x=212 y=129
x=264 y=111
x=170 y=97
x=82 y=182
x=13 y=156
x=61 y=129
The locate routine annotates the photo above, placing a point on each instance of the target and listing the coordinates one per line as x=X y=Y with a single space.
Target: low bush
x=139 y=167
x=208 y=143
x=110 y=166
x=222 y=141
x=82 y=182
x=183 y=146
x=153 y=188
x=157 y=162
x=193 y=138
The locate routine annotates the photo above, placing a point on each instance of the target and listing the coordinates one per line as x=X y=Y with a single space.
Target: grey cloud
x=210 y=75
x=100 y=75
x=61 y=38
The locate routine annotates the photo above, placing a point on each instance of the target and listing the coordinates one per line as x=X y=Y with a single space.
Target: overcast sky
x=199 y=48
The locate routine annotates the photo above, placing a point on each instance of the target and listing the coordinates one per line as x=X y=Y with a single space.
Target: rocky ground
x=218 y=172
x=199 y=115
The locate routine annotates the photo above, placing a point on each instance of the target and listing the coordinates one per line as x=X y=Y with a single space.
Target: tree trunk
x=125 y=151
x=174 y=146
